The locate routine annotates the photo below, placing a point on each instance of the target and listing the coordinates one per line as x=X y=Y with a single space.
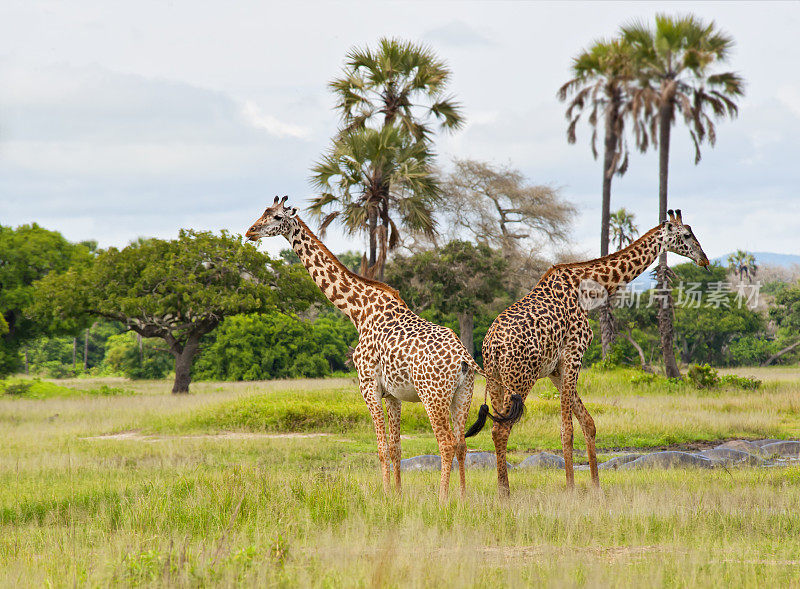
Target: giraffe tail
x=515 y=413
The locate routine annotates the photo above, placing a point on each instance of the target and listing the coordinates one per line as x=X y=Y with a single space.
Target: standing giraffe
x=547 y=332
x=399 y=357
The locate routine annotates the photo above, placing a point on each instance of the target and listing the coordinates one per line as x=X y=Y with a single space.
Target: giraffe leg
x=459 y=409
x=569 y=379
x=589 y=431
x=369 y=391
x=439 y=416
x=393 y=421
x=500 y=433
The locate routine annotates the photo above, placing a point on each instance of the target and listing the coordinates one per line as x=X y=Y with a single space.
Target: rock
x=669 y=459
x=618 y=461
x=580 y=467
x=785 y=449
x=542 y=460
x=478 y=460
x=729 y=456
x=424 y=462
x=743 y=446
x=762 y=443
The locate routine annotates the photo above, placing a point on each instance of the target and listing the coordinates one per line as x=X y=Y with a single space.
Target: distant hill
x=766 y=259
x=762 y=259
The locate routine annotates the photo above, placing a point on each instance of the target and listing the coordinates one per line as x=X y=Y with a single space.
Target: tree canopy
x=176 y=290
x=27 y=254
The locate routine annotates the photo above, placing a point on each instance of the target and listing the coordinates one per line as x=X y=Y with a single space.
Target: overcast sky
x=121 y=119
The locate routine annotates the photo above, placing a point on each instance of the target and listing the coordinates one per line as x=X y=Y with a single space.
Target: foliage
x=40 y=389
x=786 y=308
x=705 y=377
x=27 y=254
x=376 y=182
x=496 y=206
x=388 y=82
x=266 y=346
x=623 y=229
x=743 y=264
x=128 y=354
x=674 y=62
x=176 y=290
x=377 y=170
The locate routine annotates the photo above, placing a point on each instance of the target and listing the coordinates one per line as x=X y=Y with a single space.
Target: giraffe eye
x=277 y=217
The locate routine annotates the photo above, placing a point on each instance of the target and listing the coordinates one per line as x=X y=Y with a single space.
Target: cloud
x=457 y=34
x=270 y=124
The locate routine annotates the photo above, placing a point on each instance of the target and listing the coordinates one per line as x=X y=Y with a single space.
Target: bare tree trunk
x=74 y=353
x=26 y=360
x=629 y=336
x=785 y=350
x=466 y=326
x=665 y=309
x=86 y=350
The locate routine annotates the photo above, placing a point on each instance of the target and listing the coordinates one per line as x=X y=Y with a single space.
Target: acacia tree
x=497 y=207
x=458 y=278
x=370 y=177
x=387 y=99
x=176 y=290
x=674 y=63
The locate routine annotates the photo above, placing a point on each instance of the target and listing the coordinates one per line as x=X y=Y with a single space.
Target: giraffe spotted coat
x=399 y=356
x=546 y=333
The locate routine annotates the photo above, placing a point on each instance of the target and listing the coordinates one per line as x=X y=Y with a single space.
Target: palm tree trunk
x=373 y=236
x=608 y=332
x=665 y=309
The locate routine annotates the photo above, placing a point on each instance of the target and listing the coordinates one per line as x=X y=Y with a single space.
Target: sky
x=127 y=119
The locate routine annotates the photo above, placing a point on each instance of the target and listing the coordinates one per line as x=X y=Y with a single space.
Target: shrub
x=703 y=376
x=740 y=382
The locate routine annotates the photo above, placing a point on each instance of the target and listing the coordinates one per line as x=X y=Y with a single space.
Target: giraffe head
x=276 y=220
x=679 y=239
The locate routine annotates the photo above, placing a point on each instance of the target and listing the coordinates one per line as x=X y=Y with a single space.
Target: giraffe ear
x=293 y=212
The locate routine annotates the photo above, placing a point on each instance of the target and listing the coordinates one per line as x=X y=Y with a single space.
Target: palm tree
x=743 y=265
x=622 y=227
x=405 y=83
x=674 y=63
x=370 y=176
x=602 y=85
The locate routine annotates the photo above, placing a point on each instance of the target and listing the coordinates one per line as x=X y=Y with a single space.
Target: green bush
x=125 y=357
x=703 y=376
x=740 y=382
x=274 y=345
x=706 y=377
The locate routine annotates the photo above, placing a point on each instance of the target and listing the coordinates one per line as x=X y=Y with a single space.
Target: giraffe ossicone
x=399 y=356
x=546 y=333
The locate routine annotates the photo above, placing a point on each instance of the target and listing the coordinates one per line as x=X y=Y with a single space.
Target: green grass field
x=277 y=484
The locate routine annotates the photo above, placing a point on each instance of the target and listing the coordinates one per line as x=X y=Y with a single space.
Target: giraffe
x=546 y=333
x=399 y=356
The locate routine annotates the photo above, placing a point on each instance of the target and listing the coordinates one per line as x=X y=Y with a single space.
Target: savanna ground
x=179 y=500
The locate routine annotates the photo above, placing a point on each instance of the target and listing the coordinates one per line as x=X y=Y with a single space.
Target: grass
x=173 y=506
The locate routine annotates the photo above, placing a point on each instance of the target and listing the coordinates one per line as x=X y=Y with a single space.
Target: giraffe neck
x=351 y=293
x=620 y=267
